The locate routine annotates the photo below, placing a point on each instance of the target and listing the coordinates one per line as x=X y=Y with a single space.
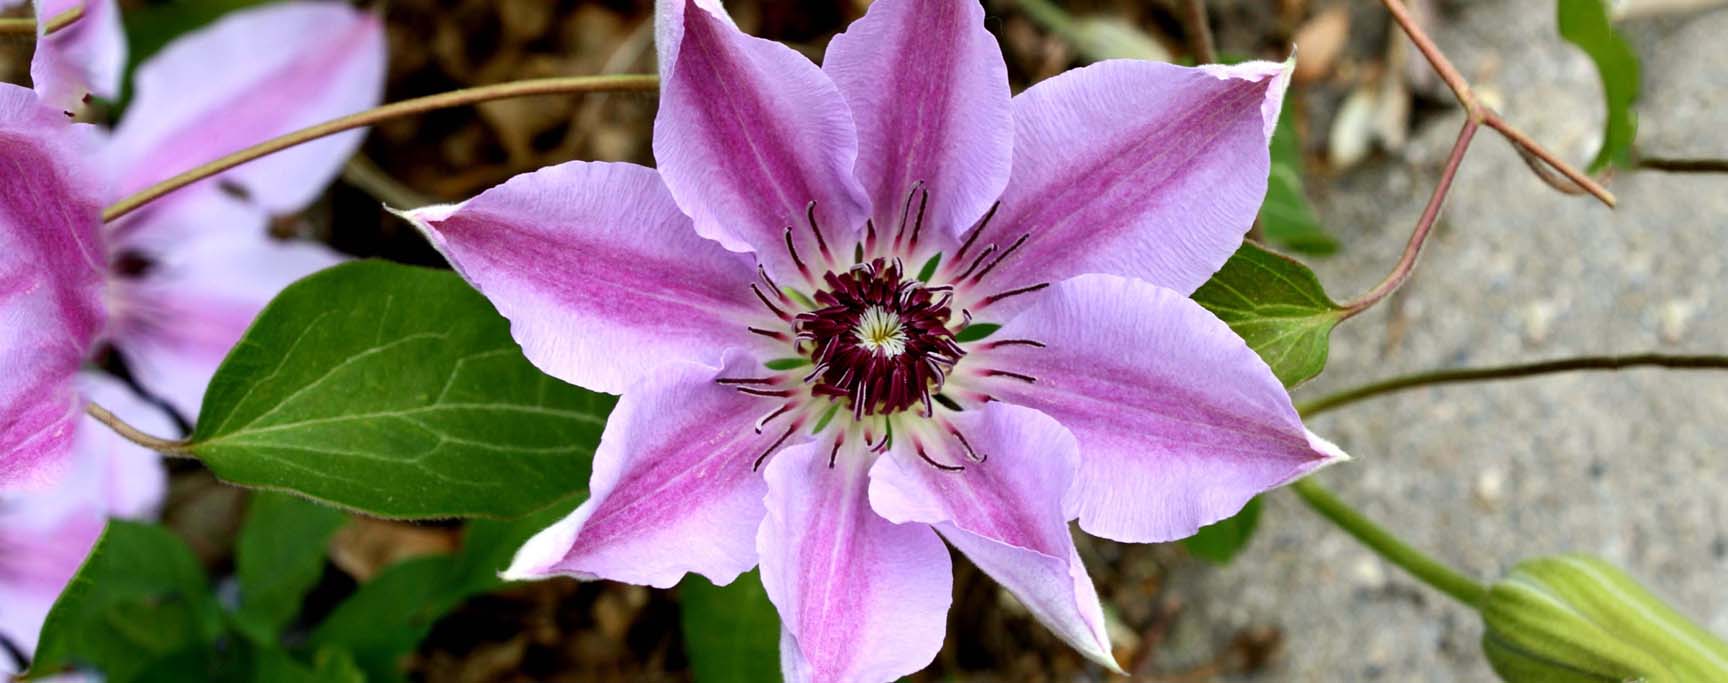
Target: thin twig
x=168 y=447
x=1684 y=165
x=1199 y=31
x=456 y=98
x=1424 y=227
x=55 y=23
x=1463 y=375
x=1474 y=108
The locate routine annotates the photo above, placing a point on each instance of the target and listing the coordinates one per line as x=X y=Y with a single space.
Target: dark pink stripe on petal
x=51 y=271
x=673 y=490
x=929 y=90
x=1139 y=169
x=749 y=133
x=860 y=598
x=600 y=275
x=1179 y=422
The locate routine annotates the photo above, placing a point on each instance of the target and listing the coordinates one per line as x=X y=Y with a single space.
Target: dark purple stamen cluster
x=874 y=379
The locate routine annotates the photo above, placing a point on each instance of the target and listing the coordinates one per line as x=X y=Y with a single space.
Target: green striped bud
x=1572 y=618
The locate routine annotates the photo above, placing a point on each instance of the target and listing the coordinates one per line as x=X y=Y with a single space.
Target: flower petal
x=47 y=532
x=86 y=57
x=1140 y=169
x=1005 y=513
x=860 y=598
x=673 y=491
x=600 y=275
x=51 y=268
x=1179 y=422
x=929 y=90
x=175 y=322
x=214 y=91
x=749 y=133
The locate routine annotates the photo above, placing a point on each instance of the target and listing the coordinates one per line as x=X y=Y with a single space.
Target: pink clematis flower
x=173 y=286
x=45 y=533
x=792 y=306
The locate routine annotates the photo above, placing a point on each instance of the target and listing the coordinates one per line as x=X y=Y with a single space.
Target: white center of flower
x=879 y=330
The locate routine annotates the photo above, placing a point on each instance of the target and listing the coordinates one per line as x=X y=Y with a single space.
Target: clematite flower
x=173 y=286
x=870 y=306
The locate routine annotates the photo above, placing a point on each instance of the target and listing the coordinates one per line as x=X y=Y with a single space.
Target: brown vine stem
x=1488 y=374
x=1424 y=227
x=55 y=23
x=1199 y=31
x=135 y=435
x=455 y=98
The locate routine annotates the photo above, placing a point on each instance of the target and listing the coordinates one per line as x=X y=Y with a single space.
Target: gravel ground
x=1627 y=466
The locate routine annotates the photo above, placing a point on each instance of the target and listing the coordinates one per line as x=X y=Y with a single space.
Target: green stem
x=456 y=98
x=1383 y=543
x=1462 y=375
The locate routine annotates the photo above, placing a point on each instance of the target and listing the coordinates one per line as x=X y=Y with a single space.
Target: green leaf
x=387 y=617
x=279 y=557
x=731 y=632
x=1220 y=542
x=1585 y=23
x=1287 y=218
x=1276 y=305
x=139 y=597
x=396 y=391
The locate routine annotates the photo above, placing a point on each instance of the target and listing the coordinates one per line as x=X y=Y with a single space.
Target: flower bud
x=1573 y=618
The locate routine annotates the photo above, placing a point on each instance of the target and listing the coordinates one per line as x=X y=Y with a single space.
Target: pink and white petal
x=749 y=133
x=598 y=271
x=86 y=57
x=1140 y=169
x=929 y=90
x=1179 y=422
x=175 y=322
x=674 y=489
x=860 y=598
x=214 y=91
x=51 y=269
x=1005 y=513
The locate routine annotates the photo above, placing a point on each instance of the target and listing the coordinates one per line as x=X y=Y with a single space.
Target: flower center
x=878 y=339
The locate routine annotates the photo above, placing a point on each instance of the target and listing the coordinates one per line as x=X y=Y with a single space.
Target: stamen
x=937 y=465
x=981 y=256
x=906 y=213
x=993 y=298
x=992 y=372
x=778 y=312
x=918 y=225
x=870 y=236
x=977 y=230
x=775 y=393
x=821 y=243
x=772 y=285
x=771 y=334
x=746 y=380
x=834 y=453
x=999 y=259
x=773 y=446
x=765 y=419
x=793 y=250
x=976 y=457
x=1014 y=342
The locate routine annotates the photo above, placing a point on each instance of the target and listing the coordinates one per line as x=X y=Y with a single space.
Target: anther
x=975 y=455
x=981 y=256
x=771 y=447
x=772 y=285
x=821 y=242
x=977 y=230
x=771 y=393
x=771 y=334
x=870 y=237
x=992 y=372
x=778 y=312
x=834 y=453
x=763 y=422
x=1003 y=257
x=993 y=298
x=1014 y=342
x=793 y=250
x=937 y=465
x=906 y=213
x=745 y=380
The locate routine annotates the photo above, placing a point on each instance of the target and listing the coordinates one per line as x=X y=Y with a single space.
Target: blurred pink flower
x=173 y=286
x=770 y=295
